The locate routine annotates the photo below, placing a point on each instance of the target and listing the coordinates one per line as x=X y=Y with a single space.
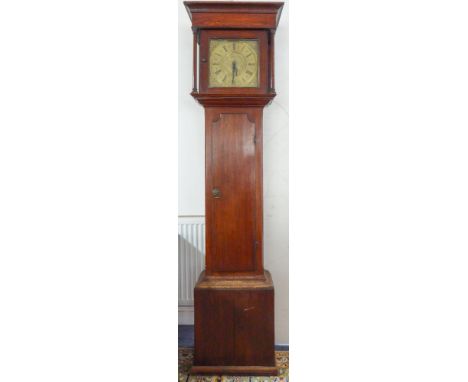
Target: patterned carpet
x=185 y=362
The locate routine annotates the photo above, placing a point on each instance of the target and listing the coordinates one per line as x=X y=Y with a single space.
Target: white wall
x=276 y=143
x=191 y=128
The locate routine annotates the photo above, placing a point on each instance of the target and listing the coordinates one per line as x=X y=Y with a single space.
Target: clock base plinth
x=234 y=326
x=234 y=370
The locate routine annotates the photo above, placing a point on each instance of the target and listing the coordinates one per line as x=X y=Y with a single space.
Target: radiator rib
x=191 y=255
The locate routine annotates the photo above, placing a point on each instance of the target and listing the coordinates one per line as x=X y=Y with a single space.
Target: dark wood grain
x=214 y=328
x=254 y=330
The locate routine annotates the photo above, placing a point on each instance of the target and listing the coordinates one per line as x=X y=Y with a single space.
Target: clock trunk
x=234 y=217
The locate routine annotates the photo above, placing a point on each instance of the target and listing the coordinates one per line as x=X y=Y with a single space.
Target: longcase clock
x=233 y=79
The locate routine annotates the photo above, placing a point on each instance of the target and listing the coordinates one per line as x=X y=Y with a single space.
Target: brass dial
x=233 y=63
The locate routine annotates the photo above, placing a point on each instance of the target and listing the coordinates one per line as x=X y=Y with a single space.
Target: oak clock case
x=233 y=79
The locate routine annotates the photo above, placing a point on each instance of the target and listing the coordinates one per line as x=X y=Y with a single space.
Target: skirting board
x=186 y=315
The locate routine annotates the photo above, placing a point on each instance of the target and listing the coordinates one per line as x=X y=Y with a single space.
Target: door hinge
x=255 y=139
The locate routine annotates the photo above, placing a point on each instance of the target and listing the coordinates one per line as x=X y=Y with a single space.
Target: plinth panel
x=234 y=327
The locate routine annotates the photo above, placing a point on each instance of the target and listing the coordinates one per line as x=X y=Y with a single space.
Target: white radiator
x=191 y=255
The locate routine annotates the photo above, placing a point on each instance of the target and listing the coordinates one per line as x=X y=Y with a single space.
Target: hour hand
x=234 y=71
x=233 y=67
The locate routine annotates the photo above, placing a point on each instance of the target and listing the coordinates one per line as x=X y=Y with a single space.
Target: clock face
x=233 y=63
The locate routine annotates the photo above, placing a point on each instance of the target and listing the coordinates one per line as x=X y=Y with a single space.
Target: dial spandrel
x=233 y=63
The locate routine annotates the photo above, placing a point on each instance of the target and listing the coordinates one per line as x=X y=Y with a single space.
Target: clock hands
x=234 y=71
